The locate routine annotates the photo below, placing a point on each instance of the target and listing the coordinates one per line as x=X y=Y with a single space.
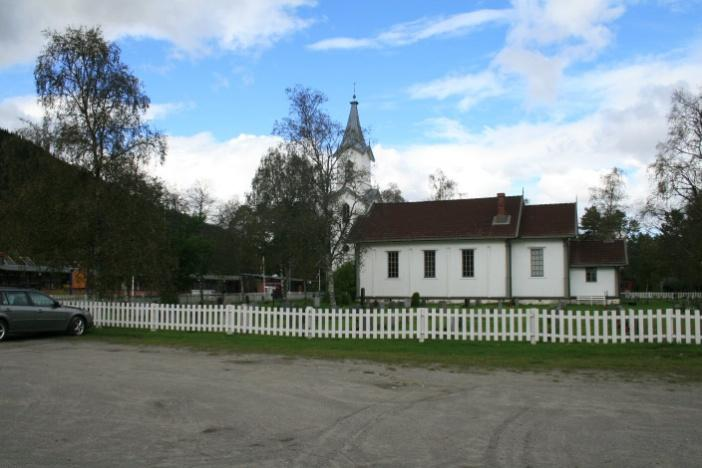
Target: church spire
x=353 y=135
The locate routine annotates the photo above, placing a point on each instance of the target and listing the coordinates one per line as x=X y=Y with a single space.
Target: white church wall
x=553 y=282
x=489 y=278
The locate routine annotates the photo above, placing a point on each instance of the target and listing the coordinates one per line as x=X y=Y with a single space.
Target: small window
x=591 y=275
x=537 y=262
x=430 y=263
x=346 y=212
x=393 y=264
x=41 y=300
x=468 y=263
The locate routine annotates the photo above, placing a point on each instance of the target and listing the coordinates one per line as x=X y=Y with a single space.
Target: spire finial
x=354 y=90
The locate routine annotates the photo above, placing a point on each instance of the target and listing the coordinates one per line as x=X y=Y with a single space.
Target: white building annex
x=482 y=248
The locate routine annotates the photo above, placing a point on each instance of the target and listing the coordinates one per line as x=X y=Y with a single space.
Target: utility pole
x=263 y=275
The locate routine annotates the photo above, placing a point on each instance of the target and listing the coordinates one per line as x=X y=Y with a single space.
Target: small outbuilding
x=595 y=267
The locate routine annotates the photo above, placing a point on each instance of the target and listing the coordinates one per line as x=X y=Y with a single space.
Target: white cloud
x=159 y=111
x=549 y=35
x=446 y=129
x=226 y=167
x=193 y=27
x=415 y=31
x=472 y=88
x=542 y=73
x=16 y=108
x=343 y=43
x=545 y=37
x=554 y=162
x=622 y=115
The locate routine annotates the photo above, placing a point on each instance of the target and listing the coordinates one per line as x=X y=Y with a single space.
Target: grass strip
x=675 y=362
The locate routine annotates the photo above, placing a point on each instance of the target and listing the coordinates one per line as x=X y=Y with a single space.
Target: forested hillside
x=48 y=212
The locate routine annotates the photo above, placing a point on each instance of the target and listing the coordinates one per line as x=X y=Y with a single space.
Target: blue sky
x=540 y=95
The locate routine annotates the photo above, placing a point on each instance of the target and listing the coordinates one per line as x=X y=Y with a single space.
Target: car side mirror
x=57 y=304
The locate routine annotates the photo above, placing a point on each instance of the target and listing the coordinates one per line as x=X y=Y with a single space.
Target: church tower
x=355 y=149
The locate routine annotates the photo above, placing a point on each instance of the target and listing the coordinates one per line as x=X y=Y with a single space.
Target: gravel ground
x=73 y=402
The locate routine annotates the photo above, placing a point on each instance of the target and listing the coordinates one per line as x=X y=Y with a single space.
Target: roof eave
x=433 y=239
x=549 y=236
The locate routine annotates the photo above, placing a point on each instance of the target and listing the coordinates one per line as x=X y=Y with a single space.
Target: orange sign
x=78 y=279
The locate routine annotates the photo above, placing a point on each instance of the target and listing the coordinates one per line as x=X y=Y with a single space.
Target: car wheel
x=77 y=326
x=3 y=330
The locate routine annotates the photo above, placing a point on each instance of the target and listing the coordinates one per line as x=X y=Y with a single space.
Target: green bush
x=345 y=283
x=343 y=298
x=416 y=300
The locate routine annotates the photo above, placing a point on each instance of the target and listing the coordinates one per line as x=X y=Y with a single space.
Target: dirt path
x=70 y=402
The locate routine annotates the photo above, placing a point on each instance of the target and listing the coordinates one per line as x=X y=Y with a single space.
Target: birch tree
x=310 y=132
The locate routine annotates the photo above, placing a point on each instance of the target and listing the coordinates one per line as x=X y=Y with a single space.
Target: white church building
x=482 y=248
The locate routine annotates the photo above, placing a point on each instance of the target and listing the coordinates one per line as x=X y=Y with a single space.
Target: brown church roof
x=464 y=219
x=598 y=253
x=445 y=219
x=555 y=220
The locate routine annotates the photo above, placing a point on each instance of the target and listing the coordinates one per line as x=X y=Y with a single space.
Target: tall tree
x=310 y=132
x=286 y=209
x=392 y=194
x=442 y=187
x=94 y=106
x=676 y=202
x=609 y=196
x=225 y=214
x=606 y=218
x=199 y=201
x=677 y=169
x=94 y=118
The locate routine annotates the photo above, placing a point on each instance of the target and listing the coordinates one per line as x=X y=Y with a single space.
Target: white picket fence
x=532 y=325
x=663 y=295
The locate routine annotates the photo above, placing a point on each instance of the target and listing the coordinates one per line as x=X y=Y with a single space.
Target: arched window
x=346 y=212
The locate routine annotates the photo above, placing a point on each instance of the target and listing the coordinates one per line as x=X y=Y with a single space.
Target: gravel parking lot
x=77 y=402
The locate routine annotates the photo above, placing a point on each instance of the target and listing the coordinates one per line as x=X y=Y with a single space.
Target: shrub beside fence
x=662 y=295
x=532 y=325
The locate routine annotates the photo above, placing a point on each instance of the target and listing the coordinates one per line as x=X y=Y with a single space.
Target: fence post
x=154 y=316
x=422 y=323
x=229 y=319
x=309 y=311
x=532 y=326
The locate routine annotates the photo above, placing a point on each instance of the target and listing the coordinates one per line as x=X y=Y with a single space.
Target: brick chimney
x=501 y=204
x=501 y=217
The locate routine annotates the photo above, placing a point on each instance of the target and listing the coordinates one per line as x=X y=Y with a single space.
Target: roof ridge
x=552 y=204
x=443 y=201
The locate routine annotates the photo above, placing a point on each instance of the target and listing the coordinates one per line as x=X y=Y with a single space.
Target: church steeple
x=353 y=135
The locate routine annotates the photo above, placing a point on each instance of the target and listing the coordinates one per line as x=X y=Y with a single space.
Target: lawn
x=668 y=361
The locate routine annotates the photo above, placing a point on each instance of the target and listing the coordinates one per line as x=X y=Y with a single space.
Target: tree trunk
x=330 y=285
